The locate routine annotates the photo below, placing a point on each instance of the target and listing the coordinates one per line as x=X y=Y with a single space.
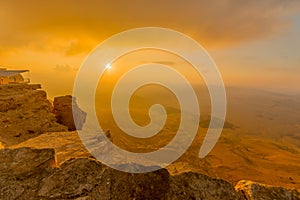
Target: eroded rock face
x=77 y=177
x=21 y=171
x=90 y=179
x=25 y=113
x=14 y=95
x=28 y=173
x=25 y=161
x=84 y=178
x=256 y=191
x=192 y=185
x=64 y=113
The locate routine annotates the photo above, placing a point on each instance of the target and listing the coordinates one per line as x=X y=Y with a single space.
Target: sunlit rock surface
x=256 y=191
x=25 y=112
x=67 y=145
x=28 y=173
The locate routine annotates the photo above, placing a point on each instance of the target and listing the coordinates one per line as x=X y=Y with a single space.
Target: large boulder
x=67 y=145
x=90 y=179
x=192 y=185
x=76 y=178
x=256 y=191
x=66 y=111
x=21 y=171
x=25 y=161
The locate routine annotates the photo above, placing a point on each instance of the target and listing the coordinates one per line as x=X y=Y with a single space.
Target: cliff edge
x=25 y=112
x=28 y=173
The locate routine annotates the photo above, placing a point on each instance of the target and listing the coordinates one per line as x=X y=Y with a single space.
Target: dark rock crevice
x=67 y=112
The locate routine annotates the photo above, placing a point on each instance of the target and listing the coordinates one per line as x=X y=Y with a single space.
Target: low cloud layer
x=63 y=68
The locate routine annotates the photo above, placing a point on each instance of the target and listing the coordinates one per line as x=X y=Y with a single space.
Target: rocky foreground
x=28 y=173
x=40 y=159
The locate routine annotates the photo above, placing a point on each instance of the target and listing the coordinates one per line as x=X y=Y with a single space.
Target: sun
x=108 y=66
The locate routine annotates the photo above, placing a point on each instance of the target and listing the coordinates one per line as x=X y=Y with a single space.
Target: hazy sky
x=254 y=43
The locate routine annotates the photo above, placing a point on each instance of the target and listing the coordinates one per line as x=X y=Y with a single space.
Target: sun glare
x=108 y=66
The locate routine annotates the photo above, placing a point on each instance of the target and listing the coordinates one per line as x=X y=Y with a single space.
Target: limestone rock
x=25 y=161
x=21 y=171
x=257 y=191
x=65 y=107
x=116 y=185
x=67 y=145
x=192 y=185
x=76 y=178
x=29 y=108
x=27 y=174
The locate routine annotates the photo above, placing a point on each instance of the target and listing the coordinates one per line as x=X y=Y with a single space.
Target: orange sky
x=254 y=43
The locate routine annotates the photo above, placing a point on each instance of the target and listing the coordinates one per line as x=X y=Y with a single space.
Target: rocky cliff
x=25 y=112
x=28 y=173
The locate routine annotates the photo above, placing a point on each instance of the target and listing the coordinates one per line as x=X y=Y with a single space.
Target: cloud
x=63 y=68
x=72 y=28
